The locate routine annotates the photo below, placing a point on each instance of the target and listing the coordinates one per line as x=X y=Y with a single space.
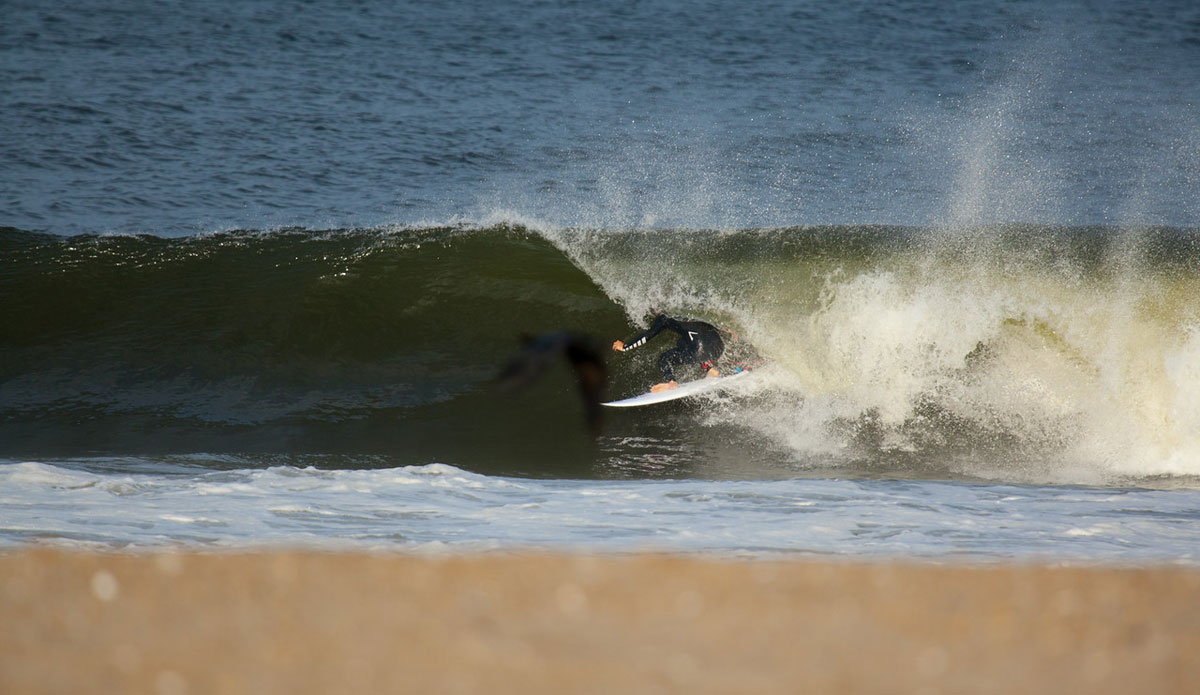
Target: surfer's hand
x=618 y=346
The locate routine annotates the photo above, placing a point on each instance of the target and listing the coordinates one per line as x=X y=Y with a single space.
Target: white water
x=1036 y=358
x=439 y=507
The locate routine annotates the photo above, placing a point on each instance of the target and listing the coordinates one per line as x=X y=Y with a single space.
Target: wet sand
x=308 y=622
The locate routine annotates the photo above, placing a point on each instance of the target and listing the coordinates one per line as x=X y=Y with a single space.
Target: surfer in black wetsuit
x=699 y=343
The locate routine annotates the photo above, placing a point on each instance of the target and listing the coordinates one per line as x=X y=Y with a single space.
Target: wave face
x=316 y=341
x=1053 y=354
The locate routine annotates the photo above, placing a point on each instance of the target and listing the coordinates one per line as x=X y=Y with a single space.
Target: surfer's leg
x=708 y=350
x=672 y=358
x=666 y=363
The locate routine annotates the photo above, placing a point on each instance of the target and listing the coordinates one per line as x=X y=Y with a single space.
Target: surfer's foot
x=713 y=372
x=663 y=387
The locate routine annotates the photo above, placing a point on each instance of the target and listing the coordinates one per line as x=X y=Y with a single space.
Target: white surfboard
x=689 y=388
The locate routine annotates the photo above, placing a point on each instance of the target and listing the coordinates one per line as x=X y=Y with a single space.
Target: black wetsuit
x=699 y=343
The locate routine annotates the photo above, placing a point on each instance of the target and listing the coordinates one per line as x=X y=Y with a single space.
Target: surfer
x=699 y=343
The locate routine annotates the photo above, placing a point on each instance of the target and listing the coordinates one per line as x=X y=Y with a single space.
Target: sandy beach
x=307 y=622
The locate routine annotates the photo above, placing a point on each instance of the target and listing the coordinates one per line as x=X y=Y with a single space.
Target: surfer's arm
x=660 y=323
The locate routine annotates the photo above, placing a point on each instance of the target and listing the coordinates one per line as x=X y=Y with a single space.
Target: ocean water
x=261 y=263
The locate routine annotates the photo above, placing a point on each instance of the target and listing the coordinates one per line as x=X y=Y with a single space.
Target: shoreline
x=318 y=622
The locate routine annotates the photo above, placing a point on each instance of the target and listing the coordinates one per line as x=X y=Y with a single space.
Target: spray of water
x=1010 y=335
